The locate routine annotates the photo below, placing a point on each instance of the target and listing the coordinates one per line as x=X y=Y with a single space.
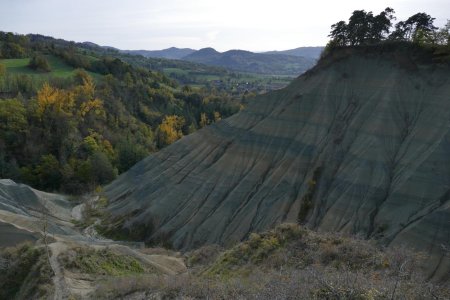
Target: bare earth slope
x=27 y=215
x=360 y=146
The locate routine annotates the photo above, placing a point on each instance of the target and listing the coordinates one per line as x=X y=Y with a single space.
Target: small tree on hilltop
x=39 y=63
x=339 y=33
x=362 y=28
x=443 y=35
x=381 y=25
x=415 y=28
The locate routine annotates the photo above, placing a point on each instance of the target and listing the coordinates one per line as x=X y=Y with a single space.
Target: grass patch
x=176 y=71
x=59 y=68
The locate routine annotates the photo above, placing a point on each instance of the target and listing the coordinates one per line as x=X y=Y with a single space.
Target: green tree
x=358 y=27
x=443 y=35
x=362 y=28
x=129 y=154
x=416 y=28
x=13 y=123
x=48 y=173
x=339 y=34
x=103 y=170
x=8 y=166
x=12 y=116
x=11 y=50
x=381 y=25
x=420 y=24
x=39 y=63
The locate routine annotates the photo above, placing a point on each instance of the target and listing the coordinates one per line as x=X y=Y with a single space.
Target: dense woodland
x=73 y=133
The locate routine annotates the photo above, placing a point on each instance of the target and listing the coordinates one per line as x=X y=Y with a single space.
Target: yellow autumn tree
x=85 y=98
x=95 y=106
x=87 y=89
x=53 y=99
x=170 y=130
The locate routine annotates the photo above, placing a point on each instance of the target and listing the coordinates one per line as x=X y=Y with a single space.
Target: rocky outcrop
x=359 y=146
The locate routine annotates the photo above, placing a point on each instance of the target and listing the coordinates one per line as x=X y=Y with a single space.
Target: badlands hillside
x=358 y=145
x=265 y=204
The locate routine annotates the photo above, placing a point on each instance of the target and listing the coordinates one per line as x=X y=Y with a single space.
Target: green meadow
x=58 y=67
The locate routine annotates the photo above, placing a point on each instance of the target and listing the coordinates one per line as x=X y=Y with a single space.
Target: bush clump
x=257 y=248
x=100 y=262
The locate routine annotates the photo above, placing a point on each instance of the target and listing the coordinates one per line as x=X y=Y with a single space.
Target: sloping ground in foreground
x=360 y=146
x=63 y=258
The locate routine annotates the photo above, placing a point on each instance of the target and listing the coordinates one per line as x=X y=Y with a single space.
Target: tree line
x=365 y=28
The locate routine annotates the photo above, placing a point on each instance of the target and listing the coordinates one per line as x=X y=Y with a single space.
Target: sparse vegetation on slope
x=289 y=262
x=100 y=262
x=24 y=273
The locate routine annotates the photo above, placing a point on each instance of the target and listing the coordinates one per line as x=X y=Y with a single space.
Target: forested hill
x=170 y=53
x=72 y=116
x=311 y=52
x=246 y=61
x=290 y=62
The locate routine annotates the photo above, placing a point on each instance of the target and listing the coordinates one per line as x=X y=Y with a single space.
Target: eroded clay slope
x=361 y=146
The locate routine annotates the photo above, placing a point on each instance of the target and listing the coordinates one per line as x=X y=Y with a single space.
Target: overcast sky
x=254 y=25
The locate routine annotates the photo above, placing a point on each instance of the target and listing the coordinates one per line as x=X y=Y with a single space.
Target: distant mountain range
x=169 y=53
x=289 y=62
x=312 y=52
x=246 y=61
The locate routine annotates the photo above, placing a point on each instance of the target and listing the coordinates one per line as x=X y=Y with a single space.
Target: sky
x=255 y=25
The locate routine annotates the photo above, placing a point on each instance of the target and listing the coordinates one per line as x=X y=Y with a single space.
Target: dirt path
x=59 y=282
x=65 y=236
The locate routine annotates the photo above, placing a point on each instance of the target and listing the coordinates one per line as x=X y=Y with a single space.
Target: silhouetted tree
x=358 y=27
x=381 y=25
x=363 y=28
x=339 y=33
x=443 y=35
x=416 y=26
